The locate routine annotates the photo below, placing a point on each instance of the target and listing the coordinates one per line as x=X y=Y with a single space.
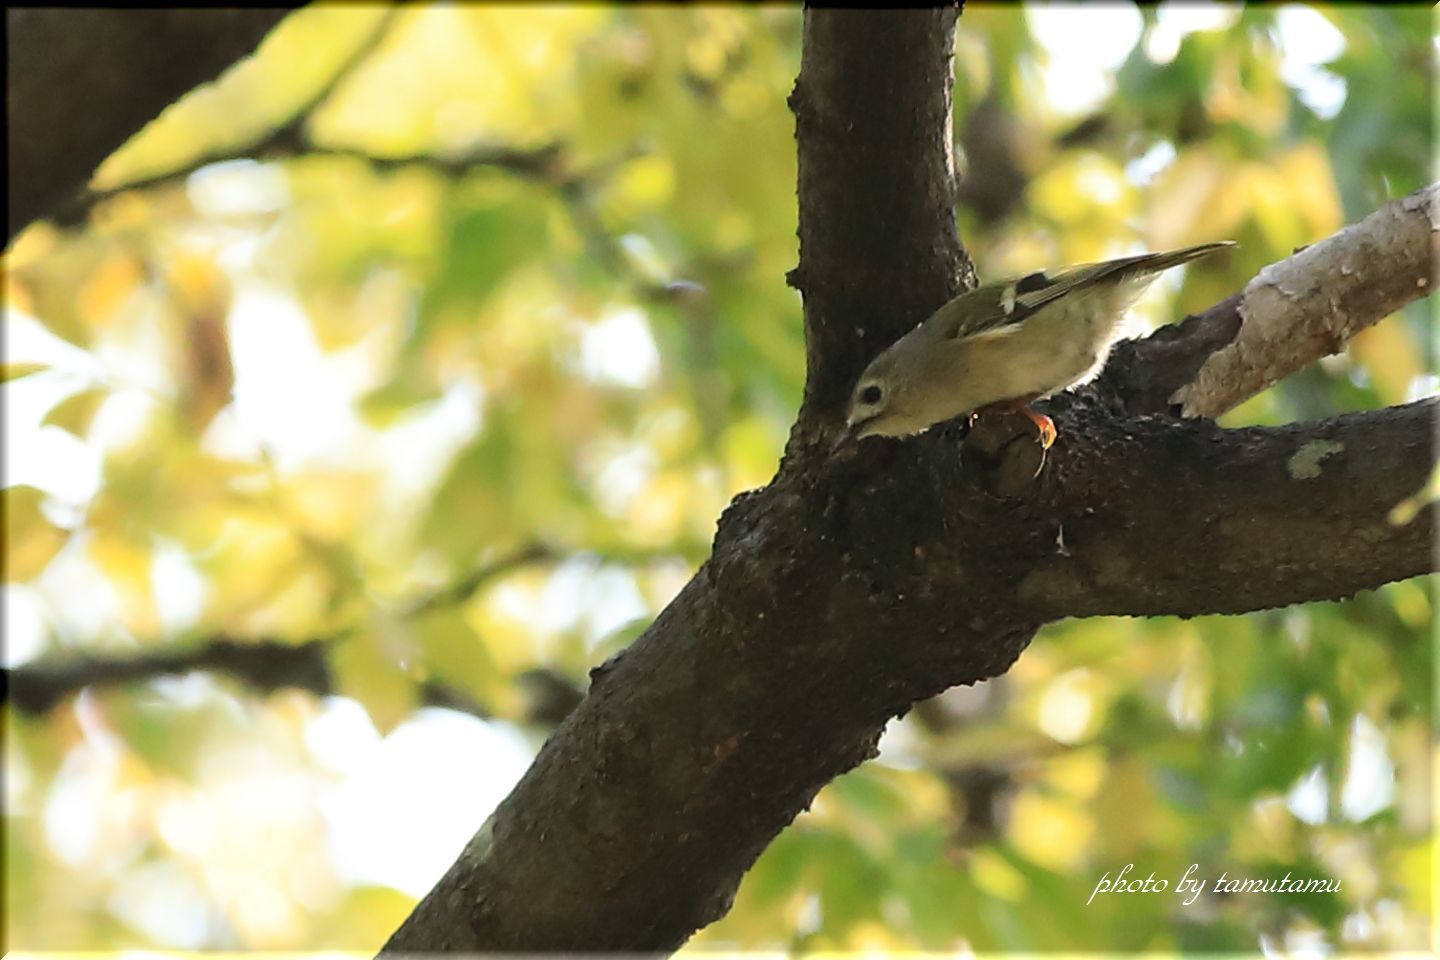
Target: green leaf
x=387 y=404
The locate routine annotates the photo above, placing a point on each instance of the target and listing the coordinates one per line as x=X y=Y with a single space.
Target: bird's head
x=881 y=402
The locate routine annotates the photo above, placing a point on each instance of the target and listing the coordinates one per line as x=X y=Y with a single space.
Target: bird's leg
x=1021 y=405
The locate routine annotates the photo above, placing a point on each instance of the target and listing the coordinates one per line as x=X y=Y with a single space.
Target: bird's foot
x=1043 y=424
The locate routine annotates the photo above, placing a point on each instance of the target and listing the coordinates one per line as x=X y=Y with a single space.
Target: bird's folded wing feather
x=995 y=308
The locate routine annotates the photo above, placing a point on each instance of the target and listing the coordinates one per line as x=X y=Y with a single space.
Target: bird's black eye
x=870 y=395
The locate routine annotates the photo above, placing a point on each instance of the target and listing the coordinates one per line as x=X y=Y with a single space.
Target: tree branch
x=878 y=245
x=269 y=665
x=1308 y=306
x=265 y=666
x=1157 y=516
x=1292 y=313
x=286 y=135
x=82 y=82
x=289 y=142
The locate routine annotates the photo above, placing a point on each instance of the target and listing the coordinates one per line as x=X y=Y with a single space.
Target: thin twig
x=269 y=664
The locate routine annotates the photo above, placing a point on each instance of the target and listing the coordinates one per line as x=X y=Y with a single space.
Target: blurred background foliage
x=428 y=344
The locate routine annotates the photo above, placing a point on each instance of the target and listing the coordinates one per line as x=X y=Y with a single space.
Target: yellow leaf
x=655 y=516
x=330 y=504
x=1270 y=206
x=365 y=919
x=1124 y=810
x=752 y=448
x=1391 y=359
x=30 y=540
x=1414 y=870
x=197 y=284
x=1049 y=831
x=14 y=371
x=1306 y=173
x=1182 y=201
x=1078 y=773
x=75 y=412
x=994 y=875
x=32 y=245
x=126 y=564
x=1084 y=189
x=1240 y=93
x=642 y=184
x=107 y=289
x=455 y=654
x=18 y=295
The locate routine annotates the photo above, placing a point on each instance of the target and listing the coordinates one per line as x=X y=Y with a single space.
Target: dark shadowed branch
x=82 y=82
x=266 y=665
x=1161 y=516
x=878 y=245
x=284 y=137
x=262 y=665
x=770 y=673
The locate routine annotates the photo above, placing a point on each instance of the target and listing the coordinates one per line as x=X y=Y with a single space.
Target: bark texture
x=82 y=82
x=1158 y=516
x=1312 y=303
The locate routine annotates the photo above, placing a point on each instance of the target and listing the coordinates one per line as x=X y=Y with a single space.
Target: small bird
x=1004 y=345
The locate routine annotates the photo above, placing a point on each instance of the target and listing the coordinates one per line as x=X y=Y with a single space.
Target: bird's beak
x=854 y=430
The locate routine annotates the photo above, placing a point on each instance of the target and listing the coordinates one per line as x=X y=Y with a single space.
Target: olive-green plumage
x=1008 y=342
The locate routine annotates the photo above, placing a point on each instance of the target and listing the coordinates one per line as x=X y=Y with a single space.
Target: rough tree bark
x=848 y=589
x=82 y=82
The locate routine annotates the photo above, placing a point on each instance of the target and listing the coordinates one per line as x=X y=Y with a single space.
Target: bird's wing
x=995 y=307
x=976 y=311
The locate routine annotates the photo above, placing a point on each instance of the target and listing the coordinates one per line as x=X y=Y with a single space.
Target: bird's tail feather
x=1173 y=258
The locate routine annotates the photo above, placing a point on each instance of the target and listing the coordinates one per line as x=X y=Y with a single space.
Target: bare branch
x=467 y=586
x=1308 y=306
x=1292 y=313
x=289 y=142
x=283 y=137
x=264 y=664
x=81 y=82
x=1163 y=517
